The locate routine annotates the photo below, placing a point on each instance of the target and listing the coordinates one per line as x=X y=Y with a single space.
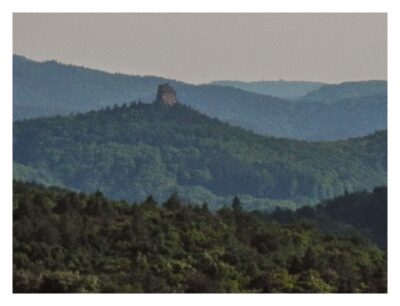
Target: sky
x=199 y=48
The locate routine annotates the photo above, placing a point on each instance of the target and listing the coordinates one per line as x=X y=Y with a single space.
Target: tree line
x=75 y=242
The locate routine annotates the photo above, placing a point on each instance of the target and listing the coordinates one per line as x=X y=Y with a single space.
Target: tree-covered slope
x=363 y=213
x=64 y=242
x=51 y=88
x=29 y=174
x=132 y=151
x=343 y=118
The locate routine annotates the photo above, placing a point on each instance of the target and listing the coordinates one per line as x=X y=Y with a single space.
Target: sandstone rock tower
x=166 y=95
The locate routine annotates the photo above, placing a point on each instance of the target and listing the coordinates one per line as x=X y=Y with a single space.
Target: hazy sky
x=199 y=48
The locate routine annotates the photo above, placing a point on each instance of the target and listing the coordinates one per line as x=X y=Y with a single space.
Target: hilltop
x=348 y=90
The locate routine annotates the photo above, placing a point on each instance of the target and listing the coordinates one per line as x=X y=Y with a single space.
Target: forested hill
x=137 y=150
x=50 y=88
x=67 y=242
x=363 y=213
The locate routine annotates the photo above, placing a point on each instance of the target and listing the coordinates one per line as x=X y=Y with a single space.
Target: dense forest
x=75 y=242
x=328 y=113
x=131 y=151
x=360 y=213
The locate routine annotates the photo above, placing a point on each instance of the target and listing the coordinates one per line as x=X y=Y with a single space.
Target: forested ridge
x=359 y=213
x=75 y=242
x=131 y=151
x=331 y=112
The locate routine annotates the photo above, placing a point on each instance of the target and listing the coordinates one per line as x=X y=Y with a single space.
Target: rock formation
x=166 y=95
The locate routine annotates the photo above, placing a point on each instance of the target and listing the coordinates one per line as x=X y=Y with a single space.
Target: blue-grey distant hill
x=50 y=88
x=280 y=89
x=349 y=90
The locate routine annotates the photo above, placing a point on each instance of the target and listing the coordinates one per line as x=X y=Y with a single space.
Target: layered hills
x=350 y=90
x=291 y=90
x=132 y=151
x=355 y=109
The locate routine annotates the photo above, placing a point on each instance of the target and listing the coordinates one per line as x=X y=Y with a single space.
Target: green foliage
x=236 y=204
x=66 y=282
x=359 y=214
x=133 y=151
x=69 y=242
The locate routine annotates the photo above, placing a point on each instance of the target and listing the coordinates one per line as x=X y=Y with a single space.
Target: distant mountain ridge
x=347 y=90
x=281 y=89
x=51 y=88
